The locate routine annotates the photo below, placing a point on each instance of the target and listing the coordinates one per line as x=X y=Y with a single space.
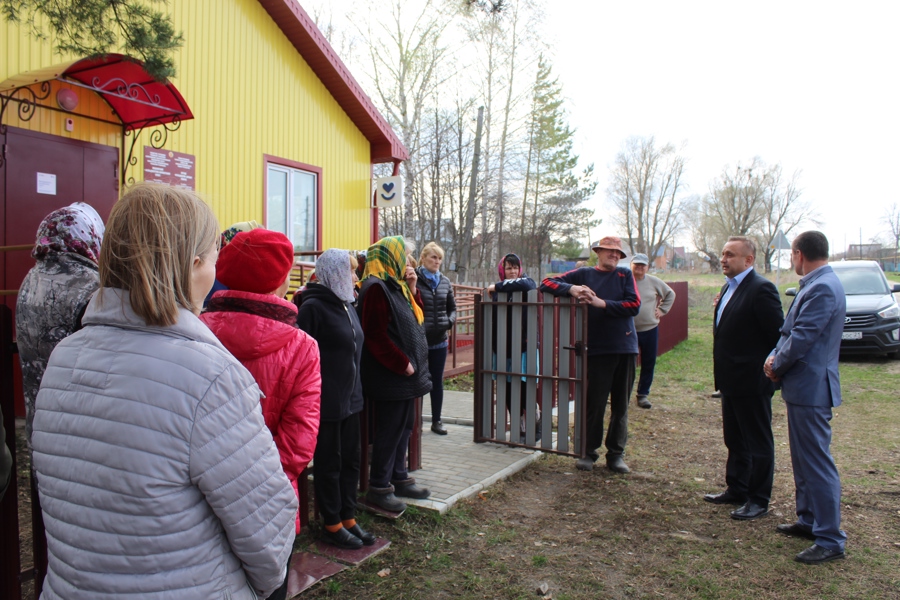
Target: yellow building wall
x=251 y=94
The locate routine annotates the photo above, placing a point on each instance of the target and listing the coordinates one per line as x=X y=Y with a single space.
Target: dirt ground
x=644 y=535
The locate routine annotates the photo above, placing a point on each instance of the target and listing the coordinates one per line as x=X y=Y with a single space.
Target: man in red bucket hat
x=612 y=346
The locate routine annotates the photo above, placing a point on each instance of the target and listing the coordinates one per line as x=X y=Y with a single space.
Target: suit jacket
x=806 y=357
x=747 y=331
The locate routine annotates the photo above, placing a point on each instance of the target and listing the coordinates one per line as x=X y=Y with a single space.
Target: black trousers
x=610 y=378
x=337 y=469
x=393 y=426
x=747 y=431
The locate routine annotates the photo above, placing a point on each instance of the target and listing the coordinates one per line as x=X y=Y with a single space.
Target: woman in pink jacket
x=258 y=326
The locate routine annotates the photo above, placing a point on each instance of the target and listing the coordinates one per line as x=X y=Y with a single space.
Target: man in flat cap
x=612 y=346
x=657 y=299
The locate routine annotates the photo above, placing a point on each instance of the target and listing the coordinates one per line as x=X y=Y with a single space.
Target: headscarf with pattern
x=333 y=271
x=76 y=229
x=235 y=229
x=386 y=260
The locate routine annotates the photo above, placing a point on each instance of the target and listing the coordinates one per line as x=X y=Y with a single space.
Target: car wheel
x=894 y=355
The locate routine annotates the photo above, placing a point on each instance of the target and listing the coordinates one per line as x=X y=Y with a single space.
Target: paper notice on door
x=46 y=183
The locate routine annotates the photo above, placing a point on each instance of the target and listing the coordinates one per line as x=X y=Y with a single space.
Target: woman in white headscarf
x=56 y=291
x=327 y=315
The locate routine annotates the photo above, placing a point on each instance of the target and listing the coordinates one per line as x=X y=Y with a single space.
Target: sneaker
x=438 y=428
x=643 y=402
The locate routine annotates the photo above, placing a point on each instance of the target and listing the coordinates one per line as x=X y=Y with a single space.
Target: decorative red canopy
x=134 y=96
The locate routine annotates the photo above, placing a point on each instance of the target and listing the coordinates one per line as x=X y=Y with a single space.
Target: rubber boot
x=408 y=489
x=385 y=498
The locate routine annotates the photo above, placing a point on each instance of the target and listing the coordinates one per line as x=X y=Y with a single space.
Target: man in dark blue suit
x=748 y=317
x=805 y=362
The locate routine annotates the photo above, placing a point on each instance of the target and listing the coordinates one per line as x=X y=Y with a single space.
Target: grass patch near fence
x=650 y=534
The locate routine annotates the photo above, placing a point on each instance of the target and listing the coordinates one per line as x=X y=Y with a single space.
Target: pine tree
x=553 y=198
x=93 y=27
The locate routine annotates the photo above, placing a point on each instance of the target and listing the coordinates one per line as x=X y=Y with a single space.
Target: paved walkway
x=453 y=466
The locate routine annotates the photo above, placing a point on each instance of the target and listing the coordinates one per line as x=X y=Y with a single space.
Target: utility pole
x=466 y=253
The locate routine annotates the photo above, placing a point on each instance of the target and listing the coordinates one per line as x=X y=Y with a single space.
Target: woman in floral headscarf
x=56 y=291
x=394 y=367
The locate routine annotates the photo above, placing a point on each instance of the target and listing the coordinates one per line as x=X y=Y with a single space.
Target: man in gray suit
x=805 y=362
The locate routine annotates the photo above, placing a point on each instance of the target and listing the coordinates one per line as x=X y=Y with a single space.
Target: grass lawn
x=649 y=534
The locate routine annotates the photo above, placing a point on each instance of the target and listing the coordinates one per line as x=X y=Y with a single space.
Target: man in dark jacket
x=748 y=318
x=612 y=346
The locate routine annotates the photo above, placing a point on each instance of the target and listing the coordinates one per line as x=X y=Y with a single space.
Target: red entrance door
x=42 y=173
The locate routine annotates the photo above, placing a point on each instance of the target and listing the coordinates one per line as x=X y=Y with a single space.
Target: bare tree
x=783 y=210
x=891 y=218
x=645 y=190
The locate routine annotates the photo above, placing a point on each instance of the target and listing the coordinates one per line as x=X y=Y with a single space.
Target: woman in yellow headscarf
x=394 y=367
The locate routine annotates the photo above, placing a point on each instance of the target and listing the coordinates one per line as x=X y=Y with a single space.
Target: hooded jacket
x=260 y=331
x=157 y=474
x=335 y=326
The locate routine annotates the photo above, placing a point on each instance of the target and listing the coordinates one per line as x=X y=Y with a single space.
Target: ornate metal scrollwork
x=132 y=91
x=158 y=138
x=27 y=99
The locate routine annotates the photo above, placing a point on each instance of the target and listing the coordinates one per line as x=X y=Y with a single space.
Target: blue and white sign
x=389 y=192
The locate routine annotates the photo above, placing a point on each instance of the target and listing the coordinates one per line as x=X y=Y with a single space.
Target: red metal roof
x=325 y=63
x=135 y=97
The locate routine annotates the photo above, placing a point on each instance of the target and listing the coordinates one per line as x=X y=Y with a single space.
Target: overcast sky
x=812 y=85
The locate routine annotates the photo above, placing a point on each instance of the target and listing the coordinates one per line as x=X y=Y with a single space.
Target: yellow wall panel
x=251 y=94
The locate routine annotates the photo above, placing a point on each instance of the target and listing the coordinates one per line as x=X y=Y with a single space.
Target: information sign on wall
x=166 y=166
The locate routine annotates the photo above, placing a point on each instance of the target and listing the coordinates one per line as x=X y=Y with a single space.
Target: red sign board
x=166 y=166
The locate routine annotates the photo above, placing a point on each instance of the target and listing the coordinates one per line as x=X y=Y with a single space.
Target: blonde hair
x=152 y=236
x=431 y=248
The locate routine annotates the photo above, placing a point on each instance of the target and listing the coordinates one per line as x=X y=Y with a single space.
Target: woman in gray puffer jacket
x=157 y=474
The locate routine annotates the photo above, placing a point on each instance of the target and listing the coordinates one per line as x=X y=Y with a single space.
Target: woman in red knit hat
x=258 y=326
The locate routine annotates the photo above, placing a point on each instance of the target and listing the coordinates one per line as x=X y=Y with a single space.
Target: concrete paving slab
x=454 y=467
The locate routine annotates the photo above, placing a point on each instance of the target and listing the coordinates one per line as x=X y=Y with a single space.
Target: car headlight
x=891 y=312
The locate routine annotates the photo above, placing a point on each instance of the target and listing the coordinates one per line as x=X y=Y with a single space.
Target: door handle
x=578 y=348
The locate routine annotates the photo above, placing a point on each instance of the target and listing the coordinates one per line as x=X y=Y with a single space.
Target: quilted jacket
x=158 y=477
x=284 y=361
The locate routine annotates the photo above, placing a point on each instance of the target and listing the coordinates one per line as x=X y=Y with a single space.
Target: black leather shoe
x=364 y=536
x=750 y=511
x=342 y=539
x=409 y=489
x=725 y=497
x=438 y=428
x=796 y=530
x=816 y=554
x=617 y=465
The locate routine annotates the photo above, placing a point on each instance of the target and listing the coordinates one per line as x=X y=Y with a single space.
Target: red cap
x=255 y=261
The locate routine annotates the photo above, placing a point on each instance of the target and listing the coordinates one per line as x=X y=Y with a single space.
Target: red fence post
x=10 y=587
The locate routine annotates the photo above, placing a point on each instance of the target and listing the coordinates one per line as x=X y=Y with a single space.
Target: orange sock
x=349 y=523
x=334 y=528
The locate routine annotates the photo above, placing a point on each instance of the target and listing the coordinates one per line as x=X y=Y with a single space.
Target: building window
x=292 y=202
